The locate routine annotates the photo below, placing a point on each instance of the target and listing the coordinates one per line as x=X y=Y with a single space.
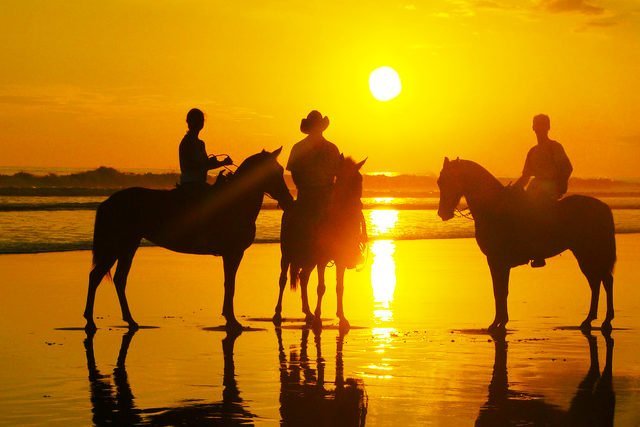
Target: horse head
x=348 y=186
x=263 y=171
x=451 y=188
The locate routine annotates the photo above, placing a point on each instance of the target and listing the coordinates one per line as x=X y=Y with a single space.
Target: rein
x=461 y=213
x=232 y=171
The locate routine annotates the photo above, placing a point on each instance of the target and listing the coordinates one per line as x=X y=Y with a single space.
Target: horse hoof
x=277 y=319
x=586 y=326
x=309 y=319
x=344 y=325
x=606 y=328
x=317 y=323
x=497 y=330
x=90 y=328
x=233 y=326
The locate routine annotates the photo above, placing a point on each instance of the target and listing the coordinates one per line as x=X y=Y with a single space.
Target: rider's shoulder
x=332 y=147
x=556 y=146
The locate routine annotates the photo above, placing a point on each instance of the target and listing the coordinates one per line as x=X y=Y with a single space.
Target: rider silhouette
x=194 y=161
x=314 y=163
x=550 y=168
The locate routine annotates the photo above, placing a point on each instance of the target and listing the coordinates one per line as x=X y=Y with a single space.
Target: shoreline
x=146 y=244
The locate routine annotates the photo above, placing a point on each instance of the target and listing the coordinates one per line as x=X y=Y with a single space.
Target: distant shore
x=103 y=181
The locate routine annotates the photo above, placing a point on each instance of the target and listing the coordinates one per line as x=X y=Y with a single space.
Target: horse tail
x=294 y=271
x=102 y=255
x=611 y=249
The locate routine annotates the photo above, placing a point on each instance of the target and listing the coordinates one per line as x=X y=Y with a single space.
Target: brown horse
x=509 y=233
x=208 y=221
x=338 y=236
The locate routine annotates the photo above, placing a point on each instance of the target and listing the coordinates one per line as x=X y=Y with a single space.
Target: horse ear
x=457 y=159
x=446 y=162
x=277 y=152
x=263 y=151
x=341 y=156
x=359 y=165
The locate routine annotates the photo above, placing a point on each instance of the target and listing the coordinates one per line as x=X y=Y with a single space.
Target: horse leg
x=284 y=266
x=304 y=281
x=594 y=284
x=608 y=287
x=95 y=277
x=500 y=276
x=344 y=323
x=230 y=262
x=120 y=282
x=321 y=290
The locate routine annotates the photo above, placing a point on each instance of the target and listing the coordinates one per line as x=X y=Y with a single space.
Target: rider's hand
x=227 y=161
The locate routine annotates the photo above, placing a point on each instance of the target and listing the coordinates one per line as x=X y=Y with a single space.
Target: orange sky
x=84 y=84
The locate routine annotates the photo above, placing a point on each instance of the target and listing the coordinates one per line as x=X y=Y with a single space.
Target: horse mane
x=478 y=171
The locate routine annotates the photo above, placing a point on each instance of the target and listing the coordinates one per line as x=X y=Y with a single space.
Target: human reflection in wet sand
x=119 y=408
x=304 y=398
x=592 y=405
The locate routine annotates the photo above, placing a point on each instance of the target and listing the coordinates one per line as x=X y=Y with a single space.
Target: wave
x=422 y=205
x=105 y=180
x=7 y=248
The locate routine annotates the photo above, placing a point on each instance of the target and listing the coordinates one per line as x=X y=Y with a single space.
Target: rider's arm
x=191 y=156
x=562 y=161
x=527 y=173
x=522 y=181
x=214 y=163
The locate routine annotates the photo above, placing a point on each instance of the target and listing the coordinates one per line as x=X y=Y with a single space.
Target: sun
x=384 y=83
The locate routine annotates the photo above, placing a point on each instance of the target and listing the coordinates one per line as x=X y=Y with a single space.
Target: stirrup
x=538 y=262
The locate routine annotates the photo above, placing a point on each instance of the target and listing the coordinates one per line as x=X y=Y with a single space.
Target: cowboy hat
x=314 y=122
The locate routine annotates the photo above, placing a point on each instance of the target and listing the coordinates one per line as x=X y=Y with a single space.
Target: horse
x=218 y=220
x=338 y=237
x=509 y=235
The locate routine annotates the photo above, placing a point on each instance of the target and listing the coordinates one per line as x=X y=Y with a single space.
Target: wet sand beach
x=416 y=353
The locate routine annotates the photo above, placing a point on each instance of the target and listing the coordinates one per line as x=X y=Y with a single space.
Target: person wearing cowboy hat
x=314 y=164
x=314 y=161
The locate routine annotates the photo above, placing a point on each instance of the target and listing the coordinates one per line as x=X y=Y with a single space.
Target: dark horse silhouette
x=592 y=405
x=117 y=406
x=338 y=237
x=505 y=233
x=216 y=221
x=306 y=399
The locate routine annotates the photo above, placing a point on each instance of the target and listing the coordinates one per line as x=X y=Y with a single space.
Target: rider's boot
x=538 y=262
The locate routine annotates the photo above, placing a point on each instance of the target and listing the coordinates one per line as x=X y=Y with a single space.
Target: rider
x=194 y=161
x=548 y=163
x=314 y=163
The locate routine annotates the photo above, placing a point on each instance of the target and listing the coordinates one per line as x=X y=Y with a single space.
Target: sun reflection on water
x=382 y=221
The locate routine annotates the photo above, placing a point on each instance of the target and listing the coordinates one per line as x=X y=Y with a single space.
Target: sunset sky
x=86 y=83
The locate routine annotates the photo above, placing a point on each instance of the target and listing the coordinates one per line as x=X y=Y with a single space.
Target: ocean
x=33 y=224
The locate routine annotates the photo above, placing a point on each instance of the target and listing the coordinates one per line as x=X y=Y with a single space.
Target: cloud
x=603 y=22
x=581 y=6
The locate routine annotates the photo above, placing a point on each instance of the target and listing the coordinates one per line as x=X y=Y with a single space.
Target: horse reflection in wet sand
x=509 y=234
x=339 y=236
x=117 y=407
x=592 y=405
x=304 y=397
x=212 y=221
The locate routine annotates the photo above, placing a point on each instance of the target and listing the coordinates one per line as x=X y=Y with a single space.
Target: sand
x=416 y=354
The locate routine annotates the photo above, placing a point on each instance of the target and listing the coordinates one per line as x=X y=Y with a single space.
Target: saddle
x=529 y=223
